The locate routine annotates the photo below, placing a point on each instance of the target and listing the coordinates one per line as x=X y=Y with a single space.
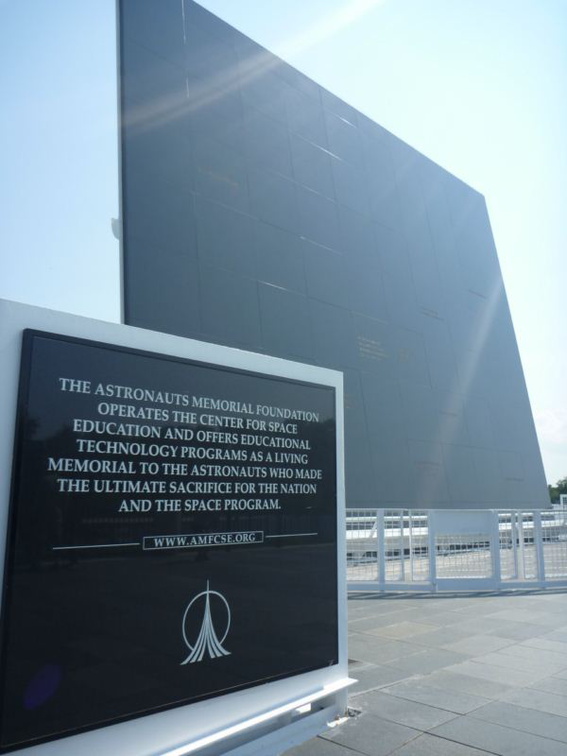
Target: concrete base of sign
x=276 y=730
x=262 y=719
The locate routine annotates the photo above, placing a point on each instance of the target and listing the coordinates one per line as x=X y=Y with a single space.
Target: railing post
x=381 y=550
x=538 y=543
x=495 y=549
x=410 y=543
x=401 y=546
x=432 y=549
x=521 y=548
x=514 y=534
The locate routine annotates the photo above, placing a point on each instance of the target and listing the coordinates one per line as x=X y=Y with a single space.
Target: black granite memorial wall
x=262 y=212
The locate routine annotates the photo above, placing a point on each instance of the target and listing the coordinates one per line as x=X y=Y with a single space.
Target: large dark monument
x=262 y=212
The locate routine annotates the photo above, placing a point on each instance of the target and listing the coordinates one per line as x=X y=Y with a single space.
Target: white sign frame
x=286 y=711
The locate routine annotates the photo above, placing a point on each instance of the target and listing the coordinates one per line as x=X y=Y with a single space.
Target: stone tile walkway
x=454 y=675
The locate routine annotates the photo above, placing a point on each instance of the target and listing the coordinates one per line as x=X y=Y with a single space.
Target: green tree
x=555 y=491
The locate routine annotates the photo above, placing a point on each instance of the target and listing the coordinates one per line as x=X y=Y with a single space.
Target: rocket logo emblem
x=200 y=634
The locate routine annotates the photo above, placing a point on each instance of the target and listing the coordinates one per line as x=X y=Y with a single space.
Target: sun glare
x=327 y=26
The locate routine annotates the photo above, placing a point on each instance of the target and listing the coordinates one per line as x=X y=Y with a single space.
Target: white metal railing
x=430 y=550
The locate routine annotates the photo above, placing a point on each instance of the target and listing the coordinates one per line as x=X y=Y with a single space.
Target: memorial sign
x=172 y=535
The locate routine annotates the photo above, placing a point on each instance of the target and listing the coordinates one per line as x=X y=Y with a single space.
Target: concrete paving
x=454 y=675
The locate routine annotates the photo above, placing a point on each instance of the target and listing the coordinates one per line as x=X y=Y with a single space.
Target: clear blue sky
x=479 y=86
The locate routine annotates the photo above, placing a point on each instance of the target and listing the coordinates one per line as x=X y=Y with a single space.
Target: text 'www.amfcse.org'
x=196 y=540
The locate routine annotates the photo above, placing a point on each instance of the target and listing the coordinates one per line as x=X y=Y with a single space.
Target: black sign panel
x=172 y=536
